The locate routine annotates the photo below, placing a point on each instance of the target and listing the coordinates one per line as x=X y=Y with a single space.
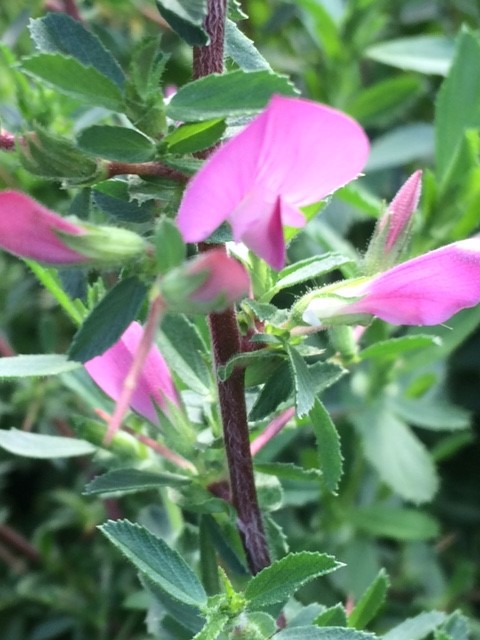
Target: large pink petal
x=28 y=230
x=155 y=386
x=295 y=149
x=426 y=290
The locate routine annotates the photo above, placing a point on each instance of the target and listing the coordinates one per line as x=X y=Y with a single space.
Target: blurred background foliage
x=60 y=579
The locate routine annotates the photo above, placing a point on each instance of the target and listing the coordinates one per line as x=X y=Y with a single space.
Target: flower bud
x=210 y=282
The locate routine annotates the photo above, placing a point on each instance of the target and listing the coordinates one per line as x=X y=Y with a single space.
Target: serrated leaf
x=370 y=602
x=332 y=617
x=113 y=198
x=457 y=105
x=230 y=94
x=276 y=390
x=190 y=138
x=186 y=19
x=37 y=445
x=398 y=523
x=182 y=347
x=399 y=457
x=214 y=625
x=31 y=366
x=416 y=628
x=51 y=156
x=74 y=79
x=108 y=320
x=289 y=471
x=132 y=480
x=58 y=33
x=154 y=558
x=116 y=143
x=284 y=577
x=328 y=446
x=242 y=50
x=391 y=349
x=323 y=633
x=308 y=269
x=243 y=360
x=426 y=54
x=303 y=382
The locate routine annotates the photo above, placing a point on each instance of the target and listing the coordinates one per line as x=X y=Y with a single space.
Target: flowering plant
x=206 y=347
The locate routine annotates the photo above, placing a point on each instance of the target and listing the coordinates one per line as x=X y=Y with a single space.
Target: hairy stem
x=226 y=343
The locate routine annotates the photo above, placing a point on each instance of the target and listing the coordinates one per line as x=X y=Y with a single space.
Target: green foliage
x=36 y=445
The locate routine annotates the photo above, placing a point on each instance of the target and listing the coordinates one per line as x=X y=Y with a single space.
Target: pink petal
x=295 y=149
x=29 y=230
x=155 y=387
x=426 y=290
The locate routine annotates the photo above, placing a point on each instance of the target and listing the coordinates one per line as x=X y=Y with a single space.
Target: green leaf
x=431 y=413
x=276 y=390
x=154 y=558
x=48 y=155
x=113 y=198
x=395 y=347
x=186 y=19
x=431 y=54
x=108 y=320
x=284 y=577
x=182 y=347
x=399 y=457
x=31 y=366
x=323 y=633
x=328 y=446
x=170 y=250
x=382 y=103
x=36 y=445
x=332 y=617
x=116 y=143
x=456 y=626
x=74 y=79
x=237 y=93
x=243 y=360
x=308 y=269
x=132 y=480
x=303 y=382
x=288 y=471
x=215 y=624
x=58 y=33
x=416 y=628
x=242 y=50
x=397 y=523
x=457 y=107
x=190 y=138
x=400 y=146
x=369 y=604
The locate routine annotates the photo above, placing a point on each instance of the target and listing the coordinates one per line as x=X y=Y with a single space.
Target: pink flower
x=155 y=387
x=294 y=153
x=427 y=290
x=29 y=230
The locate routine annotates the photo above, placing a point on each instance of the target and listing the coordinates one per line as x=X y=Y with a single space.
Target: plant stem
x=226 y=343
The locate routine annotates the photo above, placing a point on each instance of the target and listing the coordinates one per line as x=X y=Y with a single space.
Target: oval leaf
x=36 y=445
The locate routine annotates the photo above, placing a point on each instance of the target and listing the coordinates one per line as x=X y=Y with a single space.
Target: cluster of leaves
x=89 y=102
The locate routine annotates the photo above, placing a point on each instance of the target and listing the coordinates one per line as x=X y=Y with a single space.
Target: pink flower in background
x=29 y=230
x=294 y=153
x=155 y=387
x=426 y=290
